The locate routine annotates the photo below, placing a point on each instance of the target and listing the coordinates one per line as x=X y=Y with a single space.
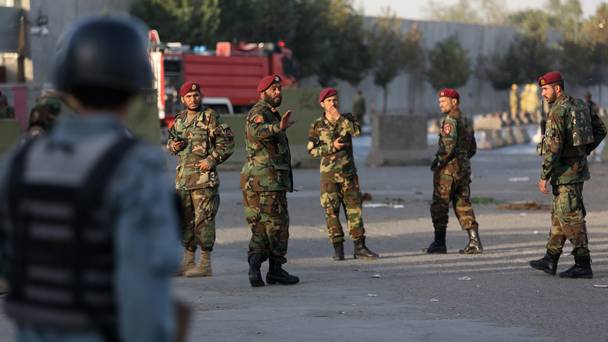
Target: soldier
x=201 y=140
x=452 y=175
x=330 y=138
x=43 y=115
x=6 y=111
x=592 y=105
x=569 y=137
x=88 y=226
x=265 y=179
x=359 y=107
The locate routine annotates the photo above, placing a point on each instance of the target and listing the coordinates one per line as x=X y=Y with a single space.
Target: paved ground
x=407 y=295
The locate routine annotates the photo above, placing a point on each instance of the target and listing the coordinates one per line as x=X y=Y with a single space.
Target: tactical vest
x=61 y=243
x=580 y=119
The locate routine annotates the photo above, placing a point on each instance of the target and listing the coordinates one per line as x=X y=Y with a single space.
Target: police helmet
x=104 y=53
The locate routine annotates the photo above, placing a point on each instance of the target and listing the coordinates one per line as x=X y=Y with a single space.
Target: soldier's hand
x=333 y=111
x=286 y=120
x=434 y=165
x=338 y=144
x=203 y=165
x=178 y=145
x=543 y=186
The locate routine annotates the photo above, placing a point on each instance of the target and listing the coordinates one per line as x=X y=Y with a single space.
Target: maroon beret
x=549 y=78
x=188 y=87
x=327 y=92
x=267 y=81
x=449 y=92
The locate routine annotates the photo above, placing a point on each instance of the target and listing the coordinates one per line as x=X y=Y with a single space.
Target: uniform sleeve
x=146 y=245
x=223 y=139
x=599 y=131
x=172 y=139
x=315 y=146
x=352 y=125
x=447 y=140
x=259 y=128
x=554 y=139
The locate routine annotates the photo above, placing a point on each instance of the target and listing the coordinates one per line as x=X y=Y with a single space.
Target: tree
x=189 y=21
x=386 y=44
x=449 y=64
x=468 y=11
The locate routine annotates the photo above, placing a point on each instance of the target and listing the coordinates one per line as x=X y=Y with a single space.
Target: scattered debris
x=601 y=286
x=466 y=278
x=524 y=205
x=519 y=179
x=434 y=300
x=536 y=232
x=383 y=205
x=375 y=276
x=372 y=295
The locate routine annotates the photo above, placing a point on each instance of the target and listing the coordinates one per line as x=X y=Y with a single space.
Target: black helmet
x=105 y=53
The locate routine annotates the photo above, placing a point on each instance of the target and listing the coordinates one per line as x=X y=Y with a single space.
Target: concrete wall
x=415 y=96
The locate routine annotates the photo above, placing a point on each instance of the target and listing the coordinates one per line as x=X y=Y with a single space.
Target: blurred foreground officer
x=202 y=141
x=570 y=135
x=265 y=179
x=330 y=138
x=89 y=228
x=452 y=175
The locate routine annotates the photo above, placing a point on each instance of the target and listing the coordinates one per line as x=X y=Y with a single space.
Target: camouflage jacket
x=268 y=159
x=207 y=138
x=457 y=144
x=334 y=163
x=7 y=113
x=563 y=163
x=43 y=115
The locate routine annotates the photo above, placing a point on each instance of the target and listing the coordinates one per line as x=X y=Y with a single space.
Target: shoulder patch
x=258 y=119
x=447 y=128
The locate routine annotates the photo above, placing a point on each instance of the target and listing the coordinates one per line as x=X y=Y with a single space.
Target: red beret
x=267 y=81
x=327 y=92
x=188 y=87
x=449 y=92
x=549 y=78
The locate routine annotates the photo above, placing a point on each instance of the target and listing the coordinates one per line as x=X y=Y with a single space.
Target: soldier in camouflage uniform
x=43 y=115
x=265 y=179
x=452 y=175
x=330 y=138
x=6 y=111
x=202 y=141
x=569 y=136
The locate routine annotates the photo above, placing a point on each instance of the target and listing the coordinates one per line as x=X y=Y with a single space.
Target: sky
x=414 y=9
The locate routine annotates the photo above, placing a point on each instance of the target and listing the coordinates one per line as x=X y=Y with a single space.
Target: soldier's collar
x=455 y=113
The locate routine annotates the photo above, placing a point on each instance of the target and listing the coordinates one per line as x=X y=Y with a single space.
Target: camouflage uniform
x=208 y=138
x=339 y=181
x=43 y=115
x=452 y=174
x=566 y=166
x=265 y=178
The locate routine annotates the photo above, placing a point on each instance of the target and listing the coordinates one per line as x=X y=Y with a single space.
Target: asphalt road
x=407 y=295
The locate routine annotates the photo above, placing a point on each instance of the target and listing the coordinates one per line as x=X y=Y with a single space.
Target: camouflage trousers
x=448 y=188
x=199 y=207
x=267 y=216
x=346 y=195
x=568 y=220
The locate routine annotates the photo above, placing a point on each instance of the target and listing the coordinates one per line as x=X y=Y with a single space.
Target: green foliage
x=449 y=64
x=488 y=12
x=188 y=21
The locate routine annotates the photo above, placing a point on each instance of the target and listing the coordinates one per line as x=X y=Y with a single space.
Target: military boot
x=438 y=245
x=338 y=251
x=581 y=269
x=204 y=267
x=474 y=246
x=187 y=263
x=362 y=252
x=547 y=264
x=255 y=276
x=276 y=274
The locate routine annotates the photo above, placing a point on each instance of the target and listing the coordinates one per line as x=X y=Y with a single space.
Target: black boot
x=438 y=245
x=276 y=274
x=338 y=251
x=581 y=268
x=255 y=276
x=547 y=264
x=474 y=246
x=362 y=252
